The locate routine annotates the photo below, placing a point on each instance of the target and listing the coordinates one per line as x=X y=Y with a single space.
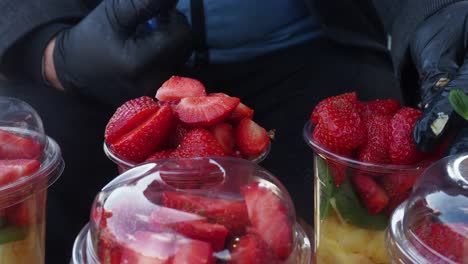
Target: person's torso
x=239 y=30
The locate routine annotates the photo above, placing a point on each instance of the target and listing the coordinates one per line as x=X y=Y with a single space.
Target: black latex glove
x=439 y=51
x=104 y=58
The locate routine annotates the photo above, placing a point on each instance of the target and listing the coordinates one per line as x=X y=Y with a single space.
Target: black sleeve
x=27 y=26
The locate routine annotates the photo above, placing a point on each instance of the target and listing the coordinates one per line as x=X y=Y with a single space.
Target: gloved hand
x=104 y=58
x=439 y=51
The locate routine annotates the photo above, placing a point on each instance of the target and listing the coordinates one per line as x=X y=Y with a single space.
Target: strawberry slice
x=242 y=111
x=147 y=138
x=251 y=138
x=177 y=88
x=13 y=146
x=230 y=213
x=194 y=252
x=372 y=195
x=269 y=216
x=225 y=135
x=215 y=234
x=13 y=170
x=128 y=116
x=251 y=249
x=205 y=111
x=398 y=183
x=178 y=133
x=199 y=142
x=449 y=240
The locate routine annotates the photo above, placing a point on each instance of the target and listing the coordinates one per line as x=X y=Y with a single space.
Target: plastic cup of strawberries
x=366 y=164
x=29 y=163
x=183 y=121
x=432 y=225
x=196 y=210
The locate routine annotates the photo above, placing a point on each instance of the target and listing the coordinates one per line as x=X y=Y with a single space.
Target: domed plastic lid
x=29 y=160
x=432 y=226
x=194 y=211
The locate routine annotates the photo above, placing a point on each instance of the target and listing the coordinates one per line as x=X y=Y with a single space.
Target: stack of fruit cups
x=365 y=165
x=432 y=226
x=29 y=163
x=197 y=211
x=183 y=122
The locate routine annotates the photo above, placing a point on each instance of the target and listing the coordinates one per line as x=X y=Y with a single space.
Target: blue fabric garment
x=239 y=30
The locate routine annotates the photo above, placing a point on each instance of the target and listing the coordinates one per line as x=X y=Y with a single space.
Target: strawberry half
x=149 y=247
x=128 y=116
x=398 y=183
x=13 y=146
x=177 y=88
x=178 y=133
x=251 y=139
x=199 y=143
x=373 y=197
x=146 y=138
x=375 y=150
x=242 y=111
x=215 y=234
x=13 y=170
x=269 y=217
x=402 y=147
x=205 y=111
x=226 y=136
x=251 y=249
x=193 y=252
x=230 y=213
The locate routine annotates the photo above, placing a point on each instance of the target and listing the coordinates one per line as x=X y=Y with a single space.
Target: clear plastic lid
x=432 y=226
x=201 y=210
x=29 y=160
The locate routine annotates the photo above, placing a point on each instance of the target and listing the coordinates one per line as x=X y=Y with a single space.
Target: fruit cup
x=352 y=204
x=29 y=163
x=432 y=225
x=198 y=210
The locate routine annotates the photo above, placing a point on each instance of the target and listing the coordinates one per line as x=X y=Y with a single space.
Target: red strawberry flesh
x=13 y=170
x=194 y=252
x=205 y=111
x=226 y=137
x=251 y=139
x=372 y=195
x=251 y=249
x=13 y=146
x=177 y=88
x=269 y=216
x=375 y=150
x=199 y=142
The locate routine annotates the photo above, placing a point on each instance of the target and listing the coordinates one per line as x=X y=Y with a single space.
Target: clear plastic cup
x=199 y=210
x=124 y=165
x=345 y=230
x=29 y=163
x=431 y=227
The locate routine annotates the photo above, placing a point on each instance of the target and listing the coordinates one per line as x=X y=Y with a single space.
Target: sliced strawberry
x=375 y=150
x=13 y=146
x=177 y=88
x=13 y=170
x=343 y=99
x=163 y=216
x=23 y=214
x=242 y=111
x=398 y=183
x=448 y=239
x=251 y=249
x=378 y=107
x=148 y=247
x=251 y=139
x=230 y=213
x=199 y=143
x=205 y=111
x=402 y=147
x=128 y=116
x=269 y=216
x=215 y=234
x=147 y=138
x=225 y=135
x=194 y=252
x=372 y=195
x=163 y=154
x=178 y=133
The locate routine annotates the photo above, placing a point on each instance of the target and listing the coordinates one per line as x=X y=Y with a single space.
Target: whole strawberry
x=402 y=147
x=378 y=133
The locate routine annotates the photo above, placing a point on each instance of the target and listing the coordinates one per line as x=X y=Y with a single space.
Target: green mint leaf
x=459 y=101
x=11 y=234
x=324 y=186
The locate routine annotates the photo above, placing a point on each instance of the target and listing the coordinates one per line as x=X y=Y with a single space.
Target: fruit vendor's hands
x=103 y=56
x=439 y=51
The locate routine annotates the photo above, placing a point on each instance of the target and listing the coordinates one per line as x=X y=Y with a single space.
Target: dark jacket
x=27 y=25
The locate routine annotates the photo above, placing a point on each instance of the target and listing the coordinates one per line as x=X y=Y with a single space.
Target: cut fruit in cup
x=185 y=122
